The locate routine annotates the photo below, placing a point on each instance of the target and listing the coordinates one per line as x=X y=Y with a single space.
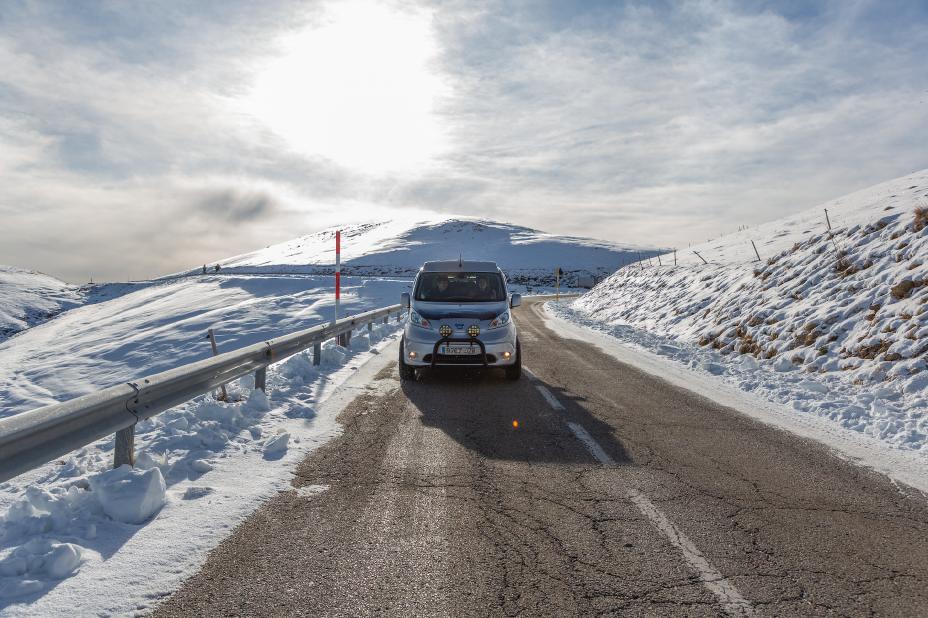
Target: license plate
x=458 y=350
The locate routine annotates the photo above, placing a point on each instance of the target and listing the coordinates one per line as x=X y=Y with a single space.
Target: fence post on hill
x=755 y=251
x=827 y=220
x=124 y=453
x=659 y=260
x=700 y=257
x=674 y=257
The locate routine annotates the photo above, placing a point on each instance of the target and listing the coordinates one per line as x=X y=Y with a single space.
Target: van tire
x=406 y=372
x=514 y=371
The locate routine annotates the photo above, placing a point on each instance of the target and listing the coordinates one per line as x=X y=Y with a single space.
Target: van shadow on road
x=504 y=420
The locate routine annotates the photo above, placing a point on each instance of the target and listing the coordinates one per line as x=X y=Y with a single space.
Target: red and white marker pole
x=338 y=271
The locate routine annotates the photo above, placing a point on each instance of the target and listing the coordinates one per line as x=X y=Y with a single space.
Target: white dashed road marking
x=731 y=600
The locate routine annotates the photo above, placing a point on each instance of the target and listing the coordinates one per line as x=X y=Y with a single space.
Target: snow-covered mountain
x=831 y=322
x=28 y=298
x=398 y=248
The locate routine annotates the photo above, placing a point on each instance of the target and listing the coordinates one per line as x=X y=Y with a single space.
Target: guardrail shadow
x=505 y=420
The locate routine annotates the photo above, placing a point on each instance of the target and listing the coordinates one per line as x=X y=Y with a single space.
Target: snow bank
x=159 y=326
x=197 y=465
x=834 y=323
x=128 y=495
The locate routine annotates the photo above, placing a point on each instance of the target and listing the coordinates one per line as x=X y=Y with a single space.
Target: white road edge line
x=732 y=602
x=551 y=399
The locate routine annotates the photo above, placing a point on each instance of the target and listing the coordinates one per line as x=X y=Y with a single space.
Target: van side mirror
x=515 y=300
x=404 y=300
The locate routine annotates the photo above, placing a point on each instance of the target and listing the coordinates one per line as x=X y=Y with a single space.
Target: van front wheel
x=406 y=372
x=514 y=371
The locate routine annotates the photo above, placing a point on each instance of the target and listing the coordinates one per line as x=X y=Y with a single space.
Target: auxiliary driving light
x=445 y=330
x=473 y=330
x=506 y=355
x=412 y=354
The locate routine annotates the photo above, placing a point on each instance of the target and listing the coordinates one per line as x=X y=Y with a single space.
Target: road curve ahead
x=586 y=488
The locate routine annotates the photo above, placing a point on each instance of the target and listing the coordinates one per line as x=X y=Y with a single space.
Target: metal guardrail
x=33 y=438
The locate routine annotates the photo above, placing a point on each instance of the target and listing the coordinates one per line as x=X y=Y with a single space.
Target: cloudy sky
x=139 y=138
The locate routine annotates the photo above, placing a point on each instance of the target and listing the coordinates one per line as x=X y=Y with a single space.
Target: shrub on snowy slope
x=852 y=302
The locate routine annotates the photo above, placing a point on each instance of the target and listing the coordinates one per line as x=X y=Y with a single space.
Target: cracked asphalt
x=433 y=503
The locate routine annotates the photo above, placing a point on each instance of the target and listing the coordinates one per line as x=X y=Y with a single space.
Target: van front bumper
x=426 y=354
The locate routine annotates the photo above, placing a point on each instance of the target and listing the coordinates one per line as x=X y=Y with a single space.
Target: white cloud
x=128 y=139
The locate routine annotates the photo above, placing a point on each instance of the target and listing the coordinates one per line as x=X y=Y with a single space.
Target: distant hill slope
x=398 y=248
x=28 y=298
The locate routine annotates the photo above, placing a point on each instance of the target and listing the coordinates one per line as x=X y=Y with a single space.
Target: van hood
x=473 y=311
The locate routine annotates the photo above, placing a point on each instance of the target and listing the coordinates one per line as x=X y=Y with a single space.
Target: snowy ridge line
x=31 y=439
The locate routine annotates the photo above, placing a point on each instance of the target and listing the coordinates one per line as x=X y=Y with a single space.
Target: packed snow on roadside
x=67 y=526
x=80 y=536
x=28 y=298
x=833 y=324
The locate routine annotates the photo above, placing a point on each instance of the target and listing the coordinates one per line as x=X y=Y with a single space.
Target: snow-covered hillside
x=398 y=248
x=833 y=323
x=28 y=298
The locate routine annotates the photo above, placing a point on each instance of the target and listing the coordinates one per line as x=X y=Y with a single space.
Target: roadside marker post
x=557 y=284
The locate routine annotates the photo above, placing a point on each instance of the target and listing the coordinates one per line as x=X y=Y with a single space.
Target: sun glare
x=359 y=88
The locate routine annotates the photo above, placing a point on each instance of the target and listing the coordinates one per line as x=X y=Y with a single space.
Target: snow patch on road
x=310 y=491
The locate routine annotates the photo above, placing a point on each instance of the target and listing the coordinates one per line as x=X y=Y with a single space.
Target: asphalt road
x=616 y=494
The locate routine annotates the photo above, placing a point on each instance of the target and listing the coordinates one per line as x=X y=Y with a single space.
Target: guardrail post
x=317 y=354
x=124 y=453
x=224 y=396
x=370 y=327
x=386 y=319
x=261 y=379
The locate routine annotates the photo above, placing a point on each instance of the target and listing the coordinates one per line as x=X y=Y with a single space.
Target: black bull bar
x=470 y=340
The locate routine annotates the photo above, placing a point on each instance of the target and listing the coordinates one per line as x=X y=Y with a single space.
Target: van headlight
x=419 y=321
x=500 y=321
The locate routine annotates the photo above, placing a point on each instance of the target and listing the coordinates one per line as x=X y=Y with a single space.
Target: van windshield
x=460 y=287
